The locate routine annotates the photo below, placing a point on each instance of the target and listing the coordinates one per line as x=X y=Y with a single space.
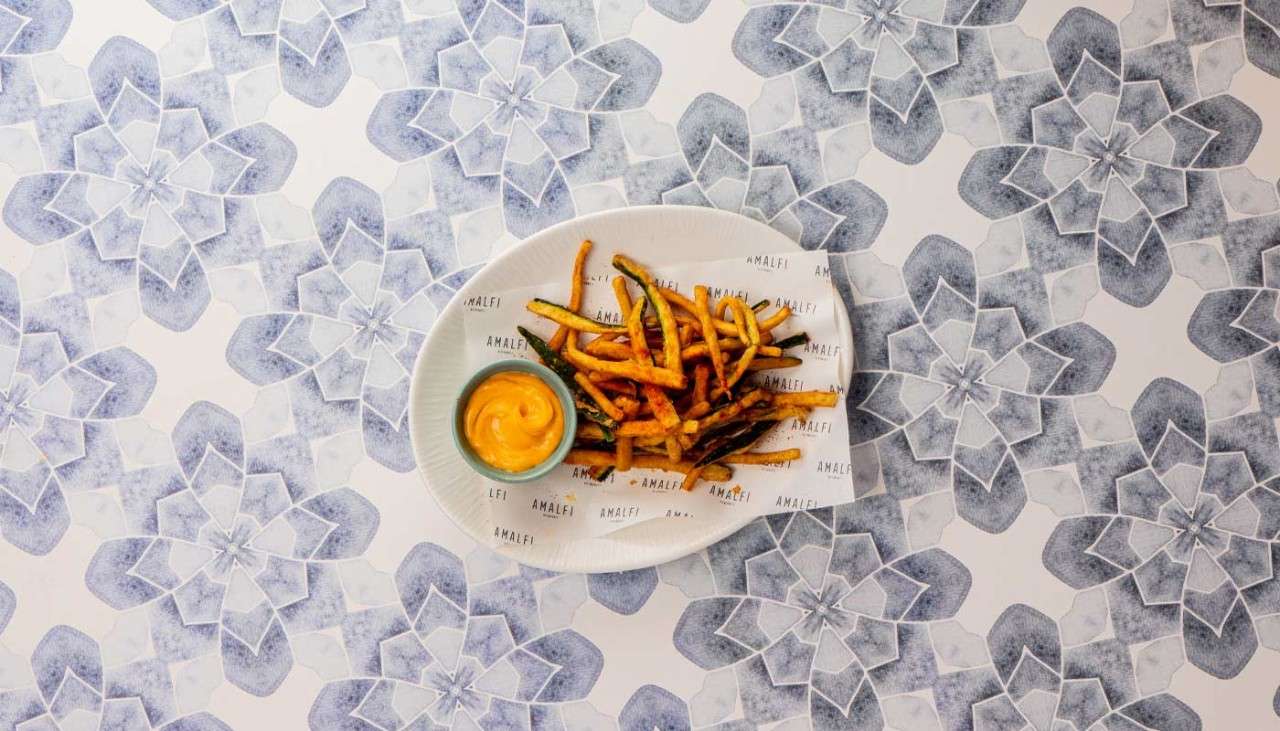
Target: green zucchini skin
x=792 y=341
x=738 y=443
x=600 y=474
x=603 y=327
x=561 y=368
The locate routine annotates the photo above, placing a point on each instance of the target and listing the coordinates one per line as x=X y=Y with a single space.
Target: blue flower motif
x=1026 y=676
x=309 y=51
x=1110 y=157
x=147 y=184
x=27 y=27
x=1180 y=528
x=349 y=312
x=1197 y=22
x=965 y=383
x=886 y=61
x=777 y=178
x=232 y=549
x=512 y=104
x=457 y=654
x=822 y=613
x=74 y=690
x=1232 y=324
x=58 y=397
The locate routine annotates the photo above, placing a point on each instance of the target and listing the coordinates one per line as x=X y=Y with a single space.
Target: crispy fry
x=765 y=364
x=753 y=327
x=749 y=399
x=570 y=319
x=598 y=396
x=662 y=308
x=661 y=405
x=783 y=455
x=700 y=375
x=590 y=432
x=575 y=294
x=608 y=349
x=646 y=428
x=686 y=334
x=722 y=308
x=710 y=337
x=613 y=385
x=593 y=458
x=739 y=318
x=775 y=319
x=658 y=443
x=702 y=350
x=801 y=413
x=698 y=410
x=691 y=479
x=825 y=399
x=624 y=454
x=635 y=331
x=621 y=294
x=635 y=371
x=674 y=451
x=629 y=405
x=743 y=364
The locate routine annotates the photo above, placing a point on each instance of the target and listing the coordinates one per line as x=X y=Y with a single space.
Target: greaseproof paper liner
x=567 y=504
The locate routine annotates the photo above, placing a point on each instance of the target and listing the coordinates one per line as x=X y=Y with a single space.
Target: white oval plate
x=652 y=234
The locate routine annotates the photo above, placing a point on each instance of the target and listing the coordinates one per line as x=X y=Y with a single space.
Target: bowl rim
x=567 y=408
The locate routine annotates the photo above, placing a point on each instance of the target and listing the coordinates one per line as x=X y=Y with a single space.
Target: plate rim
x=716 y=529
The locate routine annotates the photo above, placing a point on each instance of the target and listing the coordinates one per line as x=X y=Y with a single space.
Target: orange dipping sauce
x=513 y=421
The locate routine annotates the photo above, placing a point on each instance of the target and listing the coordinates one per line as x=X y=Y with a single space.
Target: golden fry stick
x=784 y=455
x=700 y=350
x=826 y=399
x=711 y=338
x=743 y=364
x=801 y=413
x=635 y=331
x=621 y=294
x=613 y=385
x=598 y=396
x=593 y=458
x=575 y=295
x=658 y=442
x=775 y=319
x=634 y=371
x=661 y=405
x=629 y=406
x=590 y=431
x=753 y=327
x=662 y=308
x=700 y=375
x=722 y=308
x=739 y=319
x=690 y=306
x=570 y=319
x=765 y=364
x=608 y=349
x=624 y=454
x=737 y=407
x=686 y=334
x=691 y=479
x=698 y=410
x=674 y=452
x=647 y=428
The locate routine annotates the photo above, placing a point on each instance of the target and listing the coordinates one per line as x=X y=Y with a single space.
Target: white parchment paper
x=568 y=504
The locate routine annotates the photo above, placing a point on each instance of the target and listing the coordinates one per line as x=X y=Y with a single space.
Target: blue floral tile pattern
x=229 y=226
x=1180 y=528
x=148 y=183
x=232 y=548
x=350 y=309
x=307 y=42
x=1110 y=157
x=74 y=688
x=513 y=103
x=886 y=61
x=966 y=382
x=59 y=399
x=454 y=654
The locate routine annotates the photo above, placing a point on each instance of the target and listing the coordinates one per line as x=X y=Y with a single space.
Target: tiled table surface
x=228 y=225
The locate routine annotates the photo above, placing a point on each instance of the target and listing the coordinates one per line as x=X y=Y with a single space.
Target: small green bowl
x=566 y=404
